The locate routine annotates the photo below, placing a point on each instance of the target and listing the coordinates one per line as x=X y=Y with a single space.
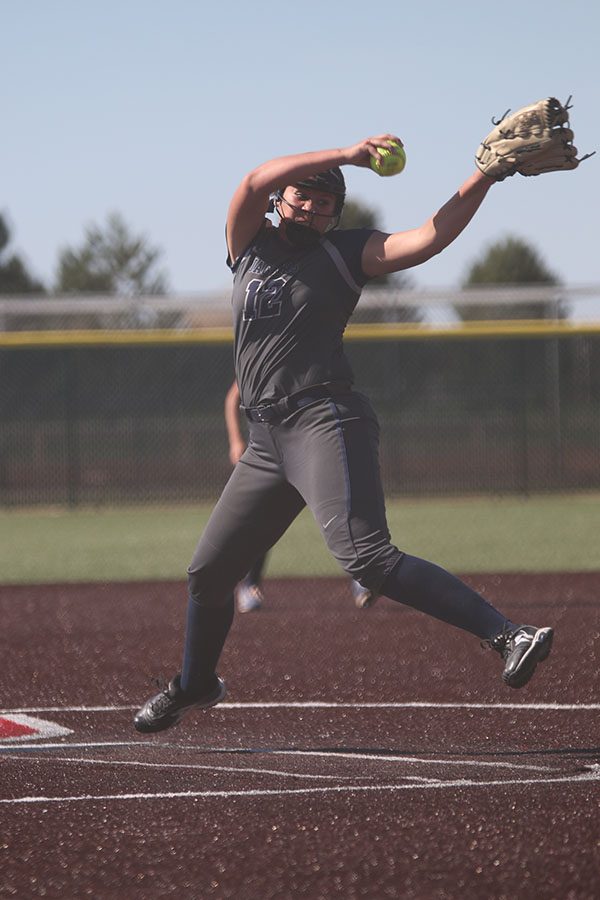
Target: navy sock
x=206 y=630
x=429 y=588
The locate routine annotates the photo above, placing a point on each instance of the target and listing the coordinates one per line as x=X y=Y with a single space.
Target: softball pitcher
x=313 y=438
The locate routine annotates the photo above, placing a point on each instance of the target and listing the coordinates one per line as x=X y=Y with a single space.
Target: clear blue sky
x=157 y=109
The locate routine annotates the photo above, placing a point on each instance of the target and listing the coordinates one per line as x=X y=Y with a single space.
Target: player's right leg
x=170 y=705
x=254 y=510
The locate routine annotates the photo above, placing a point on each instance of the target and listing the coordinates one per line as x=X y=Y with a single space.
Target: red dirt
x=415 y=801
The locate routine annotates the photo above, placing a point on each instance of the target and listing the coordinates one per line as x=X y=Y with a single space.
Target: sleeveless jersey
x=290 y=309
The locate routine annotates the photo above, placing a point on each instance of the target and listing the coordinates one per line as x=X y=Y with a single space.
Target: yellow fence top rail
x=521 y=328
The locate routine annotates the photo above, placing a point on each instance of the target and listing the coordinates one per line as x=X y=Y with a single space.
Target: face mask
x=301 y=235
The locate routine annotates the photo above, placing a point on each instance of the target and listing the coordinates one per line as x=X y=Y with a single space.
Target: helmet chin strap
x=298 y=234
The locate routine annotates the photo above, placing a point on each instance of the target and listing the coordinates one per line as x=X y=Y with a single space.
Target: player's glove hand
x=533 y=140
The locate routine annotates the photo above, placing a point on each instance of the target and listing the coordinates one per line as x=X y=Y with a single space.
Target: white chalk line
x=15 y=750
x=192 y=766
x=317 y=704
x=317 y=753
x=298 y=753
x=415 y=759
x=586 y=777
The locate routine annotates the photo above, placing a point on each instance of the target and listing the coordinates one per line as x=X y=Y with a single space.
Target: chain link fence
x=103 y=403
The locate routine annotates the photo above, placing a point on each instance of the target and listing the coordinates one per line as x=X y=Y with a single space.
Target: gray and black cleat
x=521 y=650
x=171 y=704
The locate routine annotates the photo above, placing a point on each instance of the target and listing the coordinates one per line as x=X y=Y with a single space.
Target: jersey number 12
x=263 y=298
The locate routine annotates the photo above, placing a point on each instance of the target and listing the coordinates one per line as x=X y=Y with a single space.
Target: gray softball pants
x=324 y=456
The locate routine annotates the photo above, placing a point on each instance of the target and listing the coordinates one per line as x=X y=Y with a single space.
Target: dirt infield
x=359 y=754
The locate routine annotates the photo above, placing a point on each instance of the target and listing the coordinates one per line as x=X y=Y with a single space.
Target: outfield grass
x=547 y=533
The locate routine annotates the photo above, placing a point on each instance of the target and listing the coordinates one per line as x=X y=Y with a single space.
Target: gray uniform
x=313 y=440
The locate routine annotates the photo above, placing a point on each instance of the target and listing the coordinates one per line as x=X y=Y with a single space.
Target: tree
x=510 y=261
x=358 y=215
x=14 y=277
x=111 y=261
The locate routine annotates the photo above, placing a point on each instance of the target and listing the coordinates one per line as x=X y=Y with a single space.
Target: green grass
x=547 y=533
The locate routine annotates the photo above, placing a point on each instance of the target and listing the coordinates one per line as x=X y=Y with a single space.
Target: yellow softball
x=393 y=161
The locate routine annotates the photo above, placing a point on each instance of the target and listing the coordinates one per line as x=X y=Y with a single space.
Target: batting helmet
x=332 y=181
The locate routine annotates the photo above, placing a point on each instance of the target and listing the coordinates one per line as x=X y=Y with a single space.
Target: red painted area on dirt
x=11 y=729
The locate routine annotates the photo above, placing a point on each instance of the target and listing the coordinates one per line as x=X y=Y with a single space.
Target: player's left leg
x=330 y=457
x=433 y=590
x=341 y=484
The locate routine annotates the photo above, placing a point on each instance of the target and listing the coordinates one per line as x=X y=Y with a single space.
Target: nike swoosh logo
x=523 y=639
x=327 y=524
